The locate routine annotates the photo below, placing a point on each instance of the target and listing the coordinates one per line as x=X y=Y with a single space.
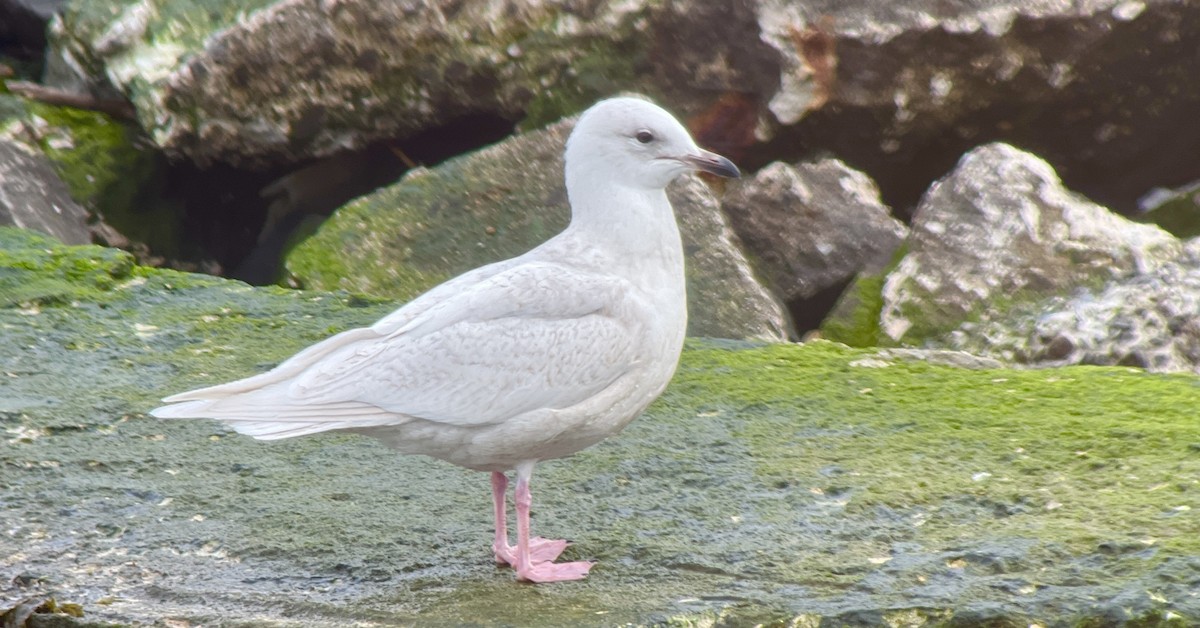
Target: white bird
x=528 y=359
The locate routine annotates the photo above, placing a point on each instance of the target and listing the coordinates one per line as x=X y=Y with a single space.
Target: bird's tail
x=268 y=417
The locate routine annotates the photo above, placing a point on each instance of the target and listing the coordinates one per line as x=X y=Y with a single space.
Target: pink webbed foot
x=540 y=551
x=554 y=572
x=531 y=557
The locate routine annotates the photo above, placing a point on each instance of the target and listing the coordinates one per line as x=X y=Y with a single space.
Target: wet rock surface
x=772 y=483
x=502 y=201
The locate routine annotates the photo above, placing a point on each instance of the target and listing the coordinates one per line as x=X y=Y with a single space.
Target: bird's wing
x=538 y=335
x=534 y=335
x=296 y=364
x=441 y=292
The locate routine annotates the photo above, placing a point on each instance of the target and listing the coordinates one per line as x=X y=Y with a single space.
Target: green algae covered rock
x=854 y=319
x=110 y=170
x=1177 y=211
x=771 y=484
x=94 y=153
x=35 y=268
x=500 y=202
x=111 y=176
x=996 y=242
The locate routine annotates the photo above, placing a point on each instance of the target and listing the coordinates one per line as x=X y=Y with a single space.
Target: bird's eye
x=644 y=137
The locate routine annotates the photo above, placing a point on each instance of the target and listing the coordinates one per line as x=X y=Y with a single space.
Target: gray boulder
x=901 y=91
x=1001 y=230
x=1099 y=88
x=1150 y=321
x=33 y=197
x=279 y=81
x=500 y=202
x=812 y=226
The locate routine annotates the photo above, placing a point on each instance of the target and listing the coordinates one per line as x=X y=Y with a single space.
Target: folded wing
x=531 y=336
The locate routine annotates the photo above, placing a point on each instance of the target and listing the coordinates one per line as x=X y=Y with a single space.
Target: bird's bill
x=712 y=162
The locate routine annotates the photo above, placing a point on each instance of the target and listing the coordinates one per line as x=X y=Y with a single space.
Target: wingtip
x=163 y=412
x=179 y=397
x=176 y=410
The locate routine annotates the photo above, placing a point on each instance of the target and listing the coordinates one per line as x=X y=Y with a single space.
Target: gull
x=527 y=359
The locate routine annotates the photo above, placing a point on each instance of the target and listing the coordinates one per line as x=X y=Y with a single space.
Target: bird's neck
x=635 y=221
x=632 y=233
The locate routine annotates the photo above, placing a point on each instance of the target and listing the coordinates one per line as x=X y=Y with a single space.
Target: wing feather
x=514 y=338
x=535 y=336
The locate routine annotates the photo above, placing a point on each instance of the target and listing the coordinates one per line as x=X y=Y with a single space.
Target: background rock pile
x=929 y=174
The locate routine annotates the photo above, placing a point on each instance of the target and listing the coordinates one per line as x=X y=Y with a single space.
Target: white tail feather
x=262 y=415
x=285 y=371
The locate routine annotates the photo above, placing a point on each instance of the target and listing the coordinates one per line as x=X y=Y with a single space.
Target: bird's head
x=639 y=143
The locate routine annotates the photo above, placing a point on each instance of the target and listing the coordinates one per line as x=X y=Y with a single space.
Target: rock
x=272 y=82
x=500 y=202
x=1098 y=87
x=1177 y=211
x=1002 y=230
x=944 y=357
x=813 y=226
x=854 y=317
x=725 y=300
x=33 y=197
x=907 y=493
x=108 y=170
x=1150 y=321
x=34 y=269
x=1101 y=89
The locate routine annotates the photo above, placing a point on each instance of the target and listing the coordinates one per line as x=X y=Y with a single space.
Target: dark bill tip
x=714 y=163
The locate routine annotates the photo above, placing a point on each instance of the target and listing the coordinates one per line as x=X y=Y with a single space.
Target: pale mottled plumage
x=523 y=360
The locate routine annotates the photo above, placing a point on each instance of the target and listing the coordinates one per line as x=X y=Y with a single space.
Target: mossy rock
x=107 y=165
x=205 y=75
x=110 y=169
x=854 y=319
x=777 y=484
x=37 y=269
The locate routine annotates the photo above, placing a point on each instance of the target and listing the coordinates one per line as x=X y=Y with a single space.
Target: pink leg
x=499 y=509
x=527 y=568
x=540 y=550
